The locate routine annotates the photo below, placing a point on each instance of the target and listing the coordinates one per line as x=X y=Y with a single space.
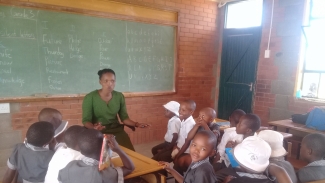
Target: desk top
x=295 y=126
x=143 y=165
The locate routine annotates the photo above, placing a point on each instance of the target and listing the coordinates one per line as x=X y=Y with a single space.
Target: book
x=106 y=155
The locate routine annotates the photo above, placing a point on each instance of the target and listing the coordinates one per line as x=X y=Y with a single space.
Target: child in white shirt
x=64 y=155
x=228 y=136
x=162 y=152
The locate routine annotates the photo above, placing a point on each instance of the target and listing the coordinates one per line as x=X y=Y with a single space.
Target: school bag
x=316 y=119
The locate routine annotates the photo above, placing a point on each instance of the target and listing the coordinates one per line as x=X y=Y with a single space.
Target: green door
x=240 y=53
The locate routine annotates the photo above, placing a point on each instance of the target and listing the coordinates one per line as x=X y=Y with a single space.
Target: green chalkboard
x=55 y=53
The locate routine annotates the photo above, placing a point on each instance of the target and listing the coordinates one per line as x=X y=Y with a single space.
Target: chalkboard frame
x=55 y=8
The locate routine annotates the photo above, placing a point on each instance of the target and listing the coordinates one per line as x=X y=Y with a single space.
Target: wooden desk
x=143 y=165
x=289 y=125
x=224 y=124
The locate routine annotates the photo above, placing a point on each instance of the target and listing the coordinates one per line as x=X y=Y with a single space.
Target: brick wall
x=197 y=58
x=276 y=76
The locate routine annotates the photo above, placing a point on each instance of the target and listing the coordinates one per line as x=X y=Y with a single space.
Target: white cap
x=173 y=107
x=275 y=140
x=61 y=128
x=253 y=153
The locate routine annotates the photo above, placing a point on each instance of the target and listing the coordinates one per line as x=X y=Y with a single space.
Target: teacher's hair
x=104 y=71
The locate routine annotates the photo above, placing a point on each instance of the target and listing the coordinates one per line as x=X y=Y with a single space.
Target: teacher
x=102 y=108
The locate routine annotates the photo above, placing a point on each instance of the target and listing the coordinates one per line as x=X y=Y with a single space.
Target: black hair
x=316 y=143
x=104 y=71
x=252 y=121
x=237 y=114
x=90 y=142
x=40 y=133
x=210 y=111
x=191 y=103
x=72 y=134
x=210 y=135
x=49 y=115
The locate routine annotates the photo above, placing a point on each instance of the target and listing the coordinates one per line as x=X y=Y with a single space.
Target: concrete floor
x=145 y=149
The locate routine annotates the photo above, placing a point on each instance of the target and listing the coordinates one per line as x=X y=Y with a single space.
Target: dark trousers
x=164 y=155
x=159 y=147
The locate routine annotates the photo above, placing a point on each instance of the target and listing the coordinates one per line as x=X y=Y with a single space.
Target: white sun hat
x=275 y=140
x=173 y=107
x=253 y=153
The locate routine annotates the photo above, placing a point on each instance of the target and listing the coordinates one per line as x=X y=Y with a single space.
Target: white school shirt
x=60 y=159
x=229 y=135
x=186 y=127
x=174 y=124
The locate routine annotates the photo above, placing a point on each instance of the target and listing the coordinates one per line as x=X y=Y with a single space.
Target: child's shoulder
x=205 y=168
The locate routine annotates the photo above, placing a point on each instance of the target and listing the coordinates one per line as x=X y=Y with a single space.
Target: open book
x=106 y=155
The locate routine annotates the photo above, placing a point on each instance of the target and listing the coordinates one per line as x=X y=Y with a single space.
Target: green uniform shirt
x=95 y=109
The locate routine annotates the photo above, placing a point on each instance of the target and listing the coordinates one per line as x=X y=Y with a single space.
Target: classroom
x=260 y=56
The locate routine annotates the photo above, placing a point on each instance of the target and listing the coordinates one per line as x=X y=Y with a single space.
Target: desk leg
x=298 y=153
x=275 y=128
x=287 y=130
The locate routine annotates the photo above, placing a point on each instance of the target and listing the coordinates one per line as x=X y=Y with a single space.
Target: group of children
x=247 y=152
x=255 y=154
x=52 y=154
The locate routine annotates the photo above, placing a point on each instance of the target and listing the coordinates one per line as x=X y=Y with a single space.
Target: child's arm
x=187 y=143
x=280 y=173
x=9 y=176
x=128 y=164
x=172 y=171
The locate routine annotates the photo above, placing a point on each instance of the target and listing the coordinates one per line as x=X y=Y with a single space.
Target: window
x=244 y=14
x=313 y=78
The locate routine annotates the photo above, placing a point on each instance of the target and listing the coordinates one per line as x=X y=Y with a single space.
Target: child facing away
x=275 y=140
x=229 y=135
x=162 y=152
x=64 y=155
x=200 y=170
x=55 y=117
x=31 y=158
x=252 y=156
x=86 y=170
x=203 y=122
x=313 y=151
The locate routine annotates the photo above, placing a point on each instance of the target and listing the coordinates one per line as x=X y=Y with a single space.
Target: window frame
x=304 y=70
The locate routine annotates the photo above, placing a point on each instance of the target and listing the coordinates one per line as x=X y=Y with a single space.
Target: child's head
x=207 y=115
x=312 y=147
x=202 y=145
x=90 y=143
x=252 y=154
x=186 y=109
x=248 y=124
x=55 y=117
x=172 y=109
x=71 y=136
x=235 y=116
x=275 y=140
x=40 y=134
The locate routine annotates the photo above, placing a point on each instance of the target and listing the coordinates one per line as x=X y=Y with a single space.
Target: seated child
x=86 y=170
x=200 y=170
x=203 y=122
x=252 y=156
x=186 y=110
x=229 y=135
x=248 y=125
x=55 y=117
x=162 y=152
x=64 y=155
x=313 y=151
x=275 y=140
x=31 y=158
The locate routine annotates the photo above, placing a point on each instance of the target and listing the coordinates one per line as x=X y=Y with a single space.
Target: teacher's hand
x=99 y=126
x=141 y=125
